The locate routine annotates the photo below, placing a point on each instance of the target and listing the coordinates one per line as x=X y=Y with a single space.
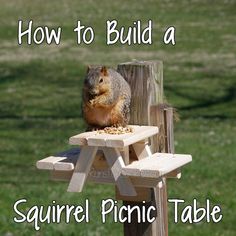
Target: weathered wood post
x=146 y=81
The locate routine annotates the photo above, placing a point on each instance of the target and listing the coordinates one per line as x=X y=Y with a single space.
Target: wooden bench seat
x=158 y=165
x=64 y=161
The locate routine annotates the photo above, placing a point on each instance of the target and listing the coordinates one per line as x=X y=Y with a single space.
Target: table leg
x=116 y=163
x=82 y=168
x=142 y=150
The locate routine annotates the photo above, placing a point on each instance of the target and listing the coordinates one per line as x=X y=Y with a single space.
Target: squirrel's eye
x=101 y=80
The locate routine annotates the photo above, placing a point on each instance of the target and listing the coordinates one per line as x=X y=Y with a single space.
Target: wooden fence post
x=146 y=82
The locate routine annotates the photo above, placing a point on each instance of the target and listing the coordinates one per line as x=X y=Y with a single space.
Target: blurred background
x=40 y=99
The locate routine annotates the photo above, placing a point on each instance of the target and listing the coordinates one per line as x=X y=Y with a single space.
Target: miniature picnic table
x=148 y=165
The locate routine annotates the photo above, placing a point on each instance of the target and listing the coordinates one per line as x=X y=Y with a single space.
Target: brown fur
x=105 y=103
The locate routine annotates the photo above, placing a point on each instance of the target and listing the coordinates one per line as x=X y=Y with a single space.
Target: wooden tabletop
x=94 y=138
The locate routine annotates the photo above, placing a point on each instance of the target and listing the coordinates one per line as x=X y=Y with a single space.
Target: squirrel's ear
x=104 y=71
x=88 y=68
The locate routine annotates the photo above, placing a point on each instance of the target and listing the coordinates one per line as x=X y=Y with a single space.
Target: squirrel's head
x=97 y=81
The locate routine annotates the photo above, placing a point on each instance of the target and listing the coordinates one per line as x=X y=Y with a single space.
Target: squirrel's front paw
x=92 y=102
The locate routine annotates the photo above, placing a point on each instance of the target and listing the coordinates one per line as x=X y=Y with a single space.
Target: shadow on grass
x=10 y=73
x=229 y=96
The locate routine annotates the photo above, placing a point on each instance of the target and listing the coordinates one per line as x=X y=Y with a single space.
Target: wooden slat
x=48 y=162
x=159 y=165
x=57 y=163
x=102 y=139
x=81 y=139
x=98 y=140
x=142 y=132
x=66 y=165
x=100 y=179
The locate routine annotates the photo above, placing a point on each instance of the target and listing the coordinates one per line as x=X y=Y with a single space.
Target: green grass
x=40 y=103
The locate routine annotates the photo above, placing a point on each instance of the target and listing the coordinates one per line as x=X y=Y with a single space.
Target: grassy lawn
x=41 y=95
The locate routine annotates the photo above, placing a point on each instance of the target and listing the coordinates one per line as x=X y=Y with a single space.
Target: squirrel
x=106 y=98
